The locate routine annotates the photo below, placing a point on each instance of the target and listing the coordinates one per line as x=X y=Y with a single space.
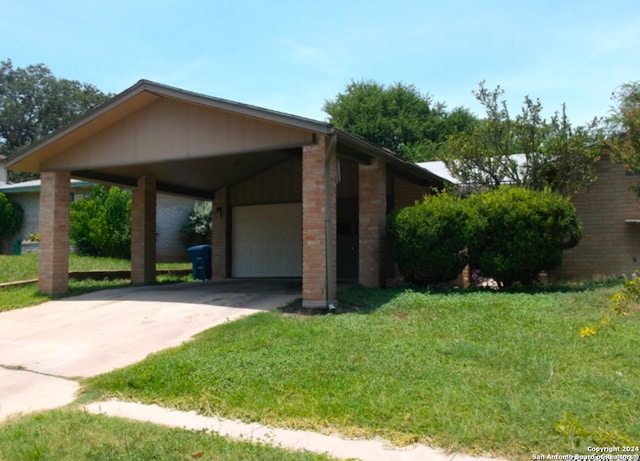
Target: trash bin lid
x=199 y=248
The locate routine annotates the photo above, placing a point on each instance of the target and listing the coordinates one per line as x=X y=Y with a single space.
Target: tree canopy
x=527 y=151
x=397 y=117
x=34 y=103
x=624 y=128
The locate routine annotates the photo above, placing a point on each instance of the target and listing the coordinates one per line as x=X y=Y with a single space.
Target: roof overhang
x=145 y=93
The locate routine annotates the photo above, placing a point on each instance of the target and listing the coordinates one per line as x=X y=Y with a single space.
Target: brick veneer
x=314 y=213
x=54 y=232
x=407 y=193
x=609 y=246
x=372 y=205
x=143 y=232
x=219 y=234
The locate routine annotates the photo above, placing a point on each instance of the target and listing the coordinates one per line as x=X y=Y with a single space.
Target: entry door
x=267 y=240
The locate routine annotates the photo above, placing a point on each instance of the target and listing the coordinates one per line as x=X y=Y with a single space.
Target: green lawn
x=70 y=435
x=501 y=373
x=507 y=374
x=25 y=267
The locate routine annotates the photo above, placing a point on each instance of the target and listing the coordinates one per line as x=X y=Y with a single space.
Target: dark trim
x=130 y=182
x=228 y=233
x=104 y=177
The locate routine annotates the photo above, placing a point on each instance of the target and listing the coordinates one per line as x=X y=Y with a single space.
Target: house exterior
x=292 y=197
x=172 y=212
x=610 y=216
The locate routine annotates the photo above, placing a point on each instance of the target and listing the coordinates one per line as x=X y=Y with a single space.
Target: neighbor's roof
x=34 y=185
x=439 y=168
x=144 y=92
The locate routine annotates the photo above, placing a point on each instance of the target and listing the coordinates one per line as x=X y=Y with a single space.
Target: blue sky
x=293 y=55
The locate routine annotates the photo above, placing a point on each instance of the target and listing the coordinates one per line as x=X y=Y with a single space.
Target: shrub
x=513 y=233
x=197 y=228
x=10 y=217
x=428 y=239
x=100 y=224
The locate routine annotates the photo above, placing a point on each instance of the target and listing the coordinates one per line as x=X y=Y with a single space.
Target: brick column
x=219 y=243
x=54 y=232
x=372 y=205
x=314 y=214
x=143 y=232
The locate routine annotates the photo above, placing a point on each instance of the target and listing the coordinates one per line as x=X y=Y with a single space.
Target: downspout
x=328 y=224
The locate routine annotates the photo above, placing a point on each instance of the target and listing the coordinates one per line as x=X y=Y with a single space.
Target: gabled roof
x=145 y=92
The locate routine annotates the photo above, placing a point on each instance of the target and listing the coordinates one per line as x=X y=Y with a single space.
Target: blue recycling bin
x=200 y=256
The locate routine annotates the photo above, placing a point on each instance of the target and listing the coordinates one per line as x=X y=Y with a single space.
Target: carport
x=293 y=197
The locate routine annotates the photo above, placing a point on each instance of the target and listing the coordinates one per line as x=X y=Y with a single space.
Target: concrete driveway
x=42 y=347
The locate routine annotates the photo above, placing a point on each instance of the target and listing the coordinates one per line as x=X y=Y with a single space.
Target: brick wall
x=54 y=230
x=406 y=193
x=143 y=231
x=609 y=247
x=172 y=213
x=314 y=244
x=372 y=205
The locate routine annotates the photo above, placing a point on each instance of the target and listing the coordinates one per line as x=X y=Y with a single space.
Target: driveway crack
x=42 y=373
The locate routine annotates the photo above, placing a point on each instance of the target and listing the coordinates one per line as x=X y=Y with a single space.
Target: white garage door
x=267 y=240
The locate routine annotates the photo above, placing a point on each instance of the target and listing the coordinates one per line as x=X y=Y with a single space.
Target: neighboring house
x=610 y=216
x=293 y=197
x=171 y=211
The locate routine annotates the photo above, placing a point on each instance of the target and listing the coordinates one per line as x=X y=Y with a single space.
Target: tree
x=397 y=117
x=10 y=217
x=623 y=141
x=100 y=224
x=34 y=103
x=526 y=151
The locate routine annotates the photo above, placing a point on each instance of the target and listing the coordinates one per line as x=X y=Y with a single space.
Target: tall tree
x=623 y=140
x=526 y=151
x=397 y=117
x=34 y=103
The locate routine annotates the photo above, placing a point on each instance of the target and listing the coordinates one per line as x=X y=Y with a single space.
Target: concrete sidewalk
x=333 y=445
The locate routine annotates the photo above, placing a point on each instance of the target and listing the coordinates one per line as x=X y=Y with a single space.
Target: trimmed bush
x=428 y=239
x=513 y=233
x=100 y=224
x=10 y=217
x=197 y=229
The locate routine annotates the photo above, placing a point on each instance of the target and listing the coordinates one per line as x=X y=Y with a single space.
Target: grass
x=506 y=374
x=70 y=435
x=25 y=267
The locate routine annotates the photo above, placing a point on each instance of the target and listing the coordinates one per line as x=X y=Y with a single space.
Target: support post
x=143 y=232
x=54 y=232
x=220 y=235
x=318 y=224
